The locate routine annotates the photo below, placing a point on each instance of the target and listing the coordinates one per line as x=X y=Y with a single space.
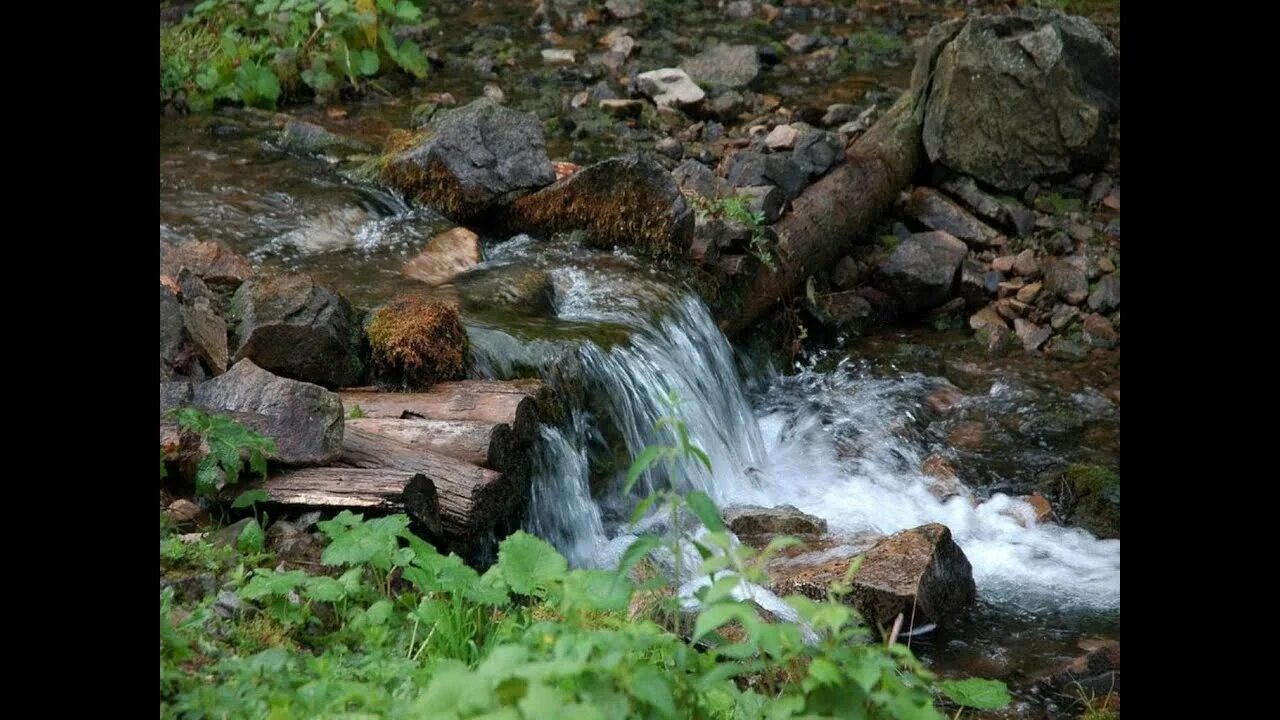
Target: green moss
x=415 y=343
x=1093 y=492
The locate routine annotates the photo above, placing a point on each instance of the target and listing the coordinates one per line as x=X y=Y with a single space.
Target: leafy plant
x=735 y=208
x=226 y=439
x=355 y=413
x=259 y=52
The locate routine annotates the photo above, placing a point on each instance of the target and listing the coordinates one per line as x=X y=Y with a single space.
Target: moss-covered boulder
x=1087 y=496
x=415 y=342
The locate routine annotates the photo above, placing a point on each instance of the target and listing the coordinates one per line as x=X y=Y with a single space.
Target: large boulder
x=476 y=158
x=724 y=66
x=920 y=573
x=756 y=525
x=922 y=271
x=1022 y=96
x=303 y=419
x=630 y=202
x=293 y=327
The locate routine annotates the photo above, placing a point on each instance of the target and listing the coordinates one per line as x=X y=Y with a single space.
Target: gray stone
x=922 y=270
x=476 y=158
x=693 y=176
x=293 y=327
x=1063 y=315
x=1011 y=215
x=670 y=87
x=973 y=284
x=303 y=419
x=173 y=394
x=782 y=137
x=766 y=200
x=846 y=274
x=1066 y=281
x=839 y=114
x=301 y=136
x=1025 y=265
x=209 y=260
x=780 y=520
x=816 y=151
x=208 y=332
x=739 y=9
x=1106 y=296
x=1098 y=331
x=558 y=56
x=938 y=212
x=624 y=9
x=176 y=354
x=724 y=66
x=801 y=43
x=727 y=105
x=670 y=147
x=1022 y=96
x=1063 y=348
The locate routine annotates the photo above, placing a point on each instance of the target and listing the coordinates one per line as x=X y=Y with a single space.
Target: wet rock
x=922 y=270
x=445 y=255
x=945 y=484
x=1066 y=281
x=784 y=171
x=973 y=283
x=1025 y=265
x=177 y=355
x=300 y=136
x=208 y=333
x=558 y=56
x=192 y=588
x=765 y=200
x=191 y=288
x=800 y=43
x=670 y=147
x=782 y=137
x=1060 y=243
x=227 y=605
x=937 y=212
x=477 y=158
x=1095 y=674
x=722 y=233
x=724 y=66
x=1106 y=296
x=843 y=310
x=920 y=572
x=1022 y=96
x=739 y=9
x=622 y=108
x=186 y=515
x=749 y=520
x=1009 y=214
x=693 y=176
x=1031 y=335
x=305 y=420
x=1089 y=496
x=289 y=325
x=816 y=151
x=511 y=288
x=630 y=202
x=1098 y=331
x=624 y=9
x=670 y=87
x=209 y=260
x=174 y=394
x=727 y=105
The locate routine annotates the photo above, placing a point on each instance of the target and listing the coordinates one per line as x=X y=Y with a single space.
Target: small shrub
x=227 y=440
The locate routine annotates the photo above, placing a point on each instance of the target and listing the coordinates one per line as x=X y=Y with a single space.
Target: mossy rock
x=415 y=342
x=1089 y=496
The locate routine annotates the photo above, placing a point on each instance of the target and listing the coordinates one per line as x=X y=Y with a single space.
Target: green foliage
x=226 y=439
x=735 y=208
x=355 y=413
x=394 y=629
x=259 y=52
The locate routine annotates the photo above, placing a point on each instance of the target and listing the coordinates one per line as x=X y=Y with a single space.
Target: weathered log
x=479 y=442
x=380 y=489
x=827 y=218
x=514 y=402
x=475 y=503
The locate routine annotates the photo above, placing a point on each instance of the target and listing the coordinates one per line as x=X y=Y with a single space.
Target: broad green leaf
x=249 y=497
x=977 y=693
x=650 y=687
x=639 y=465
x=705 y=508
x=251 y=538
x=824 y=672
x=715 y=616
x=368 y=62
x=411 y=59
x=597 y=590
x=407 y=11
x=529 y=563
x=643 y=508
x=324 y=589
x=721 y=589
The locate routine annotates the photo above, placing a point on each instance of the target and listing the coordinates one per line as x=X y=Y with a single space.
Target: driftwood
x=827 y=218
x=381 y=489
x=478 y=442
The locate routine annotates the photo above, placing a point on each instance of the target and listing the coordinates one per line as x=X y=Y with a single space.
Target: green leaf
x=267 y=85
x=411 y=59
x=650 y=687
x=715 y=616
x=824 y=672
x=407 y=11
x=597 y=590
x=705 y=508
x=721 y=589
x=368 y=62
x=643 y=508
x=324 y=589
x=529 y=564
x=640 y=464
x=702 y=456
x=249 y=497
x=251 y=538
x=977 y=693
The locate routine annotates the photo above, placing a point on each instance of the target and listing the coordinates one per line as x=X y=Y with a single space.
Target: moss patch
x=415 y=343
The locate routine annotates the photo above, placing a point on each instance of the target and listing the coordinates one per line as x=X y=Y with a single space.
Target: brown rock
x=1044 y=511
x=1028 y=293
x=969 y=435
x=1010 y=309
x=919 y=573
x=186 y=515
x=1098 y=331
x=945 y=399
x=447 y=254
x=987 y=316
x=751 y=520
x=1004 y=264
x=1025 y=265
x=938 y=212
x=209 y=260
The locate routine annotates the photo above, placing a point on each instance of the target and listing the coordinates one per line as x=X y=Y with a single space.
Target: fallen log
x=479 y=442
x=380 y=489
x=518 y=403
x=827 y=218
x=476 y=504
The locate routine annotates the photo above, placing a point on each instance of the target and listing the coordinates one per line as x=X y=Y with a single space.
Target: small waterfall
x=561 y=510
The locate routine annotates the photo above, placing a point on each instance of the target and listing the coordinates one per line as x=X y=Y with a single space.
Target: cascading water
x=839 y=445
